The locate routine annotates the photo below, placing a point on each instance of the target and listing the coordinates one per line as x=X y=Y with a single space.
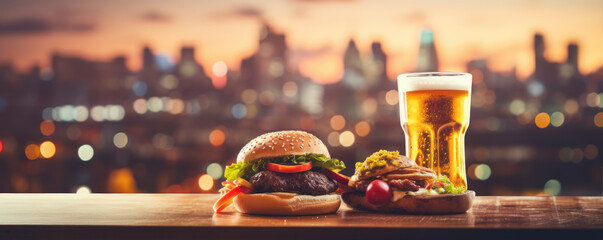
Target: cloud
x=248 y=12
x=240 y=12
x=34 y=25
x=154 y=16
x=325 y=1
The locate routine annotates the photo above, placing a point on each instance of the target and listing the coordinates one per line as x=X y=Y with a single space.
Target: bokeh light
x=577 y=155
x=517 y=107
x=239 y=111
x=266 y=98
x=362 y=128
x=139 y=88
x=591 y=151
x=80 y=113
x=115 y=112
x=168 y=82
x=214 y=170
x=552 y=187
x=219 y=69
x=391 y=97
x=154 y=104
x=97 y=113
x=346 y=139
x=47 y=128
x=47 y=149
x=1 y=146
x=483 y=172
x=471 y=171
x=598 y=119
x=557 y=119
x=176 y=106
x=85 y=152
x=140 y=106
x=333 y=139
x=32 y=151
x=217 y=137
x=249 y=96
x=47 y=113
x=120 y=140
x=571 y=106
x=542 y=120
x=206 y=182
x=290 y=89
x=83 y=190
x=369 y=106
x=337 y=122
x=592 y=99
x=536 y=88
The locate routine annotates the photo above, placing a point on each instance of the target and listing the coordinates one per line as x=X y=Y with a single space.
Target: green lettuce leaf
x=449 y=188
x=318 y=160
x=244 y=170
x=247 y=169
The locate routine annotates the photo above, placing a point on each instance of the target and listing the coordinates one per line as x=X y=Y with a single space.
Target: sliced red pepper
x=344 y=180
x=344 y=188
x=429 y=186
x=226 y=199
x=289 y=168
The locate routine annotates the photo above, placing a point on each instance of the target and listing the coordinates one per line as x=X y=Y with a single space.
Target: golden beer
x=434 y=113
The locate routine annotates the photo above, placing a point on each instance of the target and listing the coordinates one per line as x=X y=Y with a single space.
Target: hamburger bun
x=279 y=144
x=420 y=204
x=280 y=203
x=283 y=143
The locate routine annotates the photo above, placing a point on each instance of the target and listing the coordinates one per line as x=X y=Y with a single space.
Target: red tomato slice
x=289 y=168
x=226 y=199
x=336 y=176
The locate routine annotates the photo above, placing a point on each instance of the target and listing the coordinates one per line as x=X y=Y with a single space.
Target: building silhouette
x=428 y=57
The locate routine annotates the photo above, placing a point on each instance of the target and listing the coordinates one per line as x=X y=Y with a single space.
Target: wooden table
x=189 y=216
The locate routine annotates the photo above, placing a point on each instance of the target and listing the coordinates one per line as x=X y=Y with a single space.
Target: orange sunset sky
x=317 y=31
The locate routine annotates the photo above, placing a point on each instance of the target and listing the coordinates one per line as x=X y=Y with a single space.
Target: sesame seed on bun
x=283 y=143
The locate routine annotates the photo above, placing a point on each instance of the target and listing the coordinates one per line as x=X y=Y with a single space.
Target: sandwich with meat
x=389 y=182
x=283 y=173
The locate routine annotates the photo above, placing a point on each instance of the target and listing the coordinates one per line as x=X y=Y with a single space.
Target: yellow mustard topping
x=378 y=159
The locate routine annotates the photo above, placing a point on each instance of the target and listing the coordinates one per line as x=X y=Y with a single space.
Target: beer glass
x=434 y=113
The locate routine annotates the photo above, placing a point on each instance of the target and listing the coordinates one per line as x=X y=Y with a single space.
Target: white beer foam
x=434 y=81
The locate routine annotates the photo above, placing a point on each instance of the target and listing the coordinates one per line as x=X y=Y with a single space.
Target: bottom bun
x=280 y=203
x=420 y=204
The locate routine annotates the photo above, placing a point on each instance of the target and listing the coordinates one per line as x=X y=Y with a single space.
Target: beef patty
x=305 y=183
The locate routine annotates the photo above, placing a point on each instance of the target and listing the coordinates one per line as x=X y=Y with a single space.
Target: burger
x=389 y=182
x=282 y=173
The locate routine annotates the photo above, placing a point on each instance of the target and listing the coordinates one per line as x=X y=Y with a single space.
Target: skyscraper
x=428 y=58
x=539 y=60
x=353 y=74
x=379 y=61
x=572 y=58
x=267 y=68
x=148 y=59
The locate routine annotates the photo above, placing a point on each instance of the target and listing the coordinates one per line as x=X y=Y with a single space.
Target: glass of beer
x=434 y=113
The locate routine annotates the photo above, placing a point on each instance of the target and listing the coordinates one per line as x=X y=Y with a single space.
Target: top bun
x=283 y=143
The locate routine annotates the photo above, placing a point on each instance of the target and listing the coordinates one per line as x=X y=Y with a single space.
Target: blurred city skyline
x=114 y=100
x=317 y=32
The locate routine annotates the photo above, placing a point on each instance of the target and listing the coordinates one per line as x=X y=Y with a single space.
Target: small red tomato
x=378 y=193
